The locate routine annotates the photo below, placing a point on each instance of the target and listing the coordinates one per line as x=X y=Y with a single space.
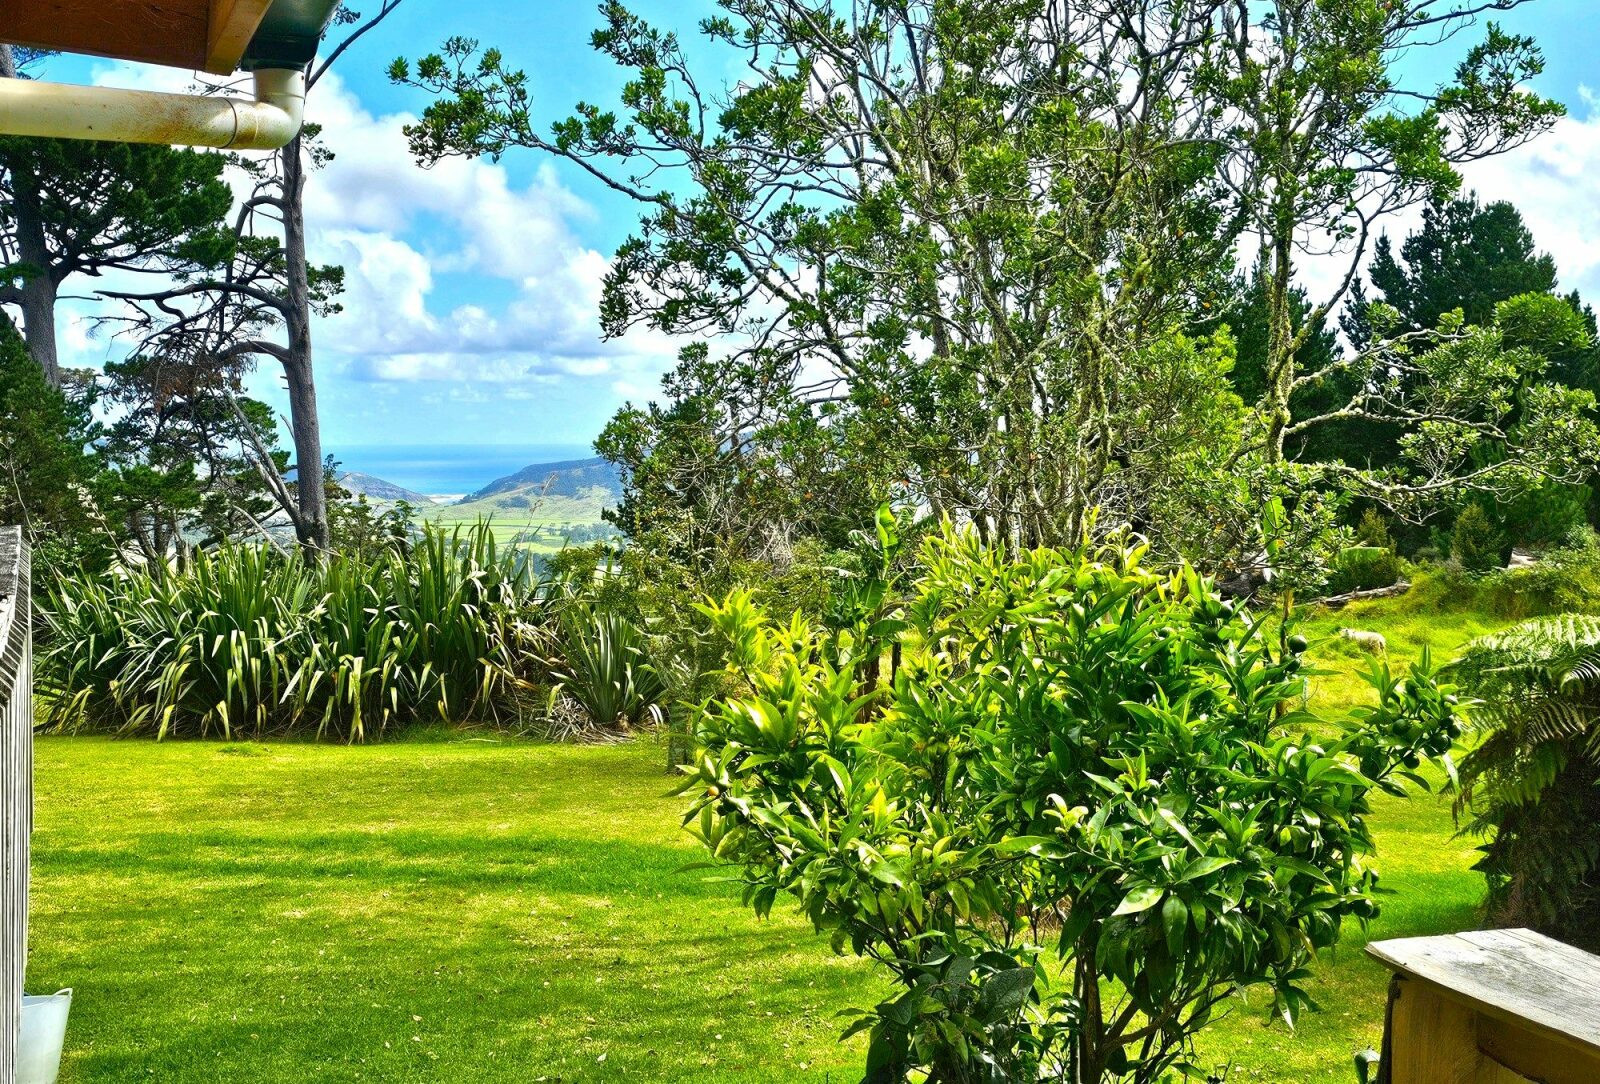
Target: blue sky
x=470 y=310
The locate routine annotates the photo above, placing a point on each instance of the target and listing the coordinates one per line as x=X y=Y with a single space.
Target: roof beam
x=232 y=24
x=168 y=32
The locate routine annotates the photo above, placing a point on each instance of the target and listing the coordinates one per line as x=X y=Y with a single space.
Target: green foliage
x=1372 y=562
x=692 y=499
x=1362 y=568
x=360 y=529
x=179 y=452
x=1249 y=318
x=1531 y=783
x=1476 y=545
x=74 y=209
x=604 y=664
x=907 y=370
x=1565 y=579
x=48 y=473
x=126 y=205
x=1373 y=530
x=245 y=642
x=1544 y=514
x=1336 y=67
x=1466 y=256
x=1299 y=542
x=961 y=308
x=1081 y=817
x=1478 y=263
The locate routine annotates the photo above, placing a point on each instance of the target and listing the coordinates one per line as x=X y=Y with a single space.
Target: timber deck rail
x=16 y=786
x=1490 y=1007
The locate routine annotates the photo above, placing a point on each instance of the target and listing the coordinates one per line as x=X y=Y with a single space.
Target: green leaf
x=1177 y=826
x=1333 y=771
x=1201 y=867
x=1037 y=845
x=1299 y=866
x=1175 y=923
x=1007 y=991
x=1139 y=899
x=886 y=873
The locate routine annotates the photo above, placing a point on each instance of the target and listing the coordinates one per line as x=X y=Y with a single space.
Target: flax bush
x=246 y=642
x=605 y=664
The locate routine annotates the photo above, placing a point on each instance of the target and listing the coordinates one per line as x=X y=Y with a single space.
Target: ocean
x=455 y=469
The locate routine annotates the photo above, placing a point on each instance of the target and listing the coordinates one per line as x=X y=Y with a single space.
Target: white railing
x=16 y=786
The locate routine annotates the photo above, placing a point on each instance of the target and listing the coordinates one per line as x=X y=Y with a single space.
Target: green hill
x=544 y=506
x=377 y=489
x=565 y=478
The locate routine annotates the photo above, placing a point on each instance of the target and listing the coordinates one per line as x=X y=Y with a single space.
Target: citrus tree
x=1084 y=813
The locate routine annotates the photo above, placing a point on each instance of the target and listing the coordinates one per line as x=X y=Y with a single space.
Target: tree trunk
x=1088 y=1054
x=38 y=291
x=1278 y=271
x=38 y=300
x=1280 y=344
x=311 y=524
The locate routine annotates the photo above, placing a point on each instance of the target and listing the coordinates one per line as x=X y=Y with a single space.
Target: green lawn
x=464 y=912
x=471 y=910
x=480 y=911
x=1440 y=614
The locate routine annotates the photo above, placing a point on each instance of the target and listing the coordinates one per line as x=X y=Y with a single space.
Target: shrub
x=246 y=642
x=1080 y=818
x=1531 y=784
x=604 y=664
x=1373 y=530
x=1373 y=562
x=49 y=473
x=1475 y=544
x=1362 y=568
x=360 y=529
x=1563 y=580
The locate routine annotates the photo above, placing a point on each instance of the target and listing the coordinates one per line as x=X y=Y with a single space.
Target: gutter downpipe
x=64 y=111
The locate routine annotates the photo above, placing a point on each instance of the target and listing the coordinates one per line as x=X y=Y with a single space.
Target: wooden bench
x=1490 y=1007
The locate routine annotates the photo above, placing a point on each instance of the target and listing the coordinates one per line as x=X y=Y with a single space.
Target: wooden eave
x=204 y=35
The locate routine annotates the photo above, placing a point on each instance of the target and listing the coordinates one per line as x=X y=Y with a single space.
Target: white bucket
x=44 y=1029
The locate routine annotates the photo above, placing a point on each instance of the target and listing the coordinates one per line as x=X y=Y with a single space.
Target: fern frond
x=1558 y=719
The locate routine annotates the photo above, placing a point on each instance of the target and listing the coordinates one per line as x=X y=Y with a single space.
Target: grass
x=474 y=911
x=1439 y=614
x=469 y=910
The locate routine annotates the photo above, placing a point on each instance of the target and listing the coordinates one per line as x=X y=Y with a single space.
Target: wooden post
x=1491 y=1007
x=16 y=787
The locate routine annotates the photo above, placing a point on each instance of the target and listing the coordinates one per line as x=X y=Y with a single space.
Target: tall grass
x=244 y=642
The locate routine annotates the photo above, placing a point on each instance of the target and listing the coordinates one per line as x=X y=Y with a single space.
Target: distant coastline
x=441 y=470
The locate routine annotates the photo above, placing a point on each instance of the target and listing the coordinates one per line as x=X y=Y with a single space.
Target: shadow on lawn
x=401 y=857
x=321 y=956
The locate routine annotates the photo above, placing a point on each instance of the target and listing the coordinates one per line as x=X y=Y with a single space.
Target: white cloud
x=385 y=298
x=1555 y=182
x=454 y=273
x=373 y=199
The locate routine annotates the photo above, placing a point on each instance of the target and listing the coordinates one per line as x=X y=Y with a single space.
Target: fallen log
x=1333 y=602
